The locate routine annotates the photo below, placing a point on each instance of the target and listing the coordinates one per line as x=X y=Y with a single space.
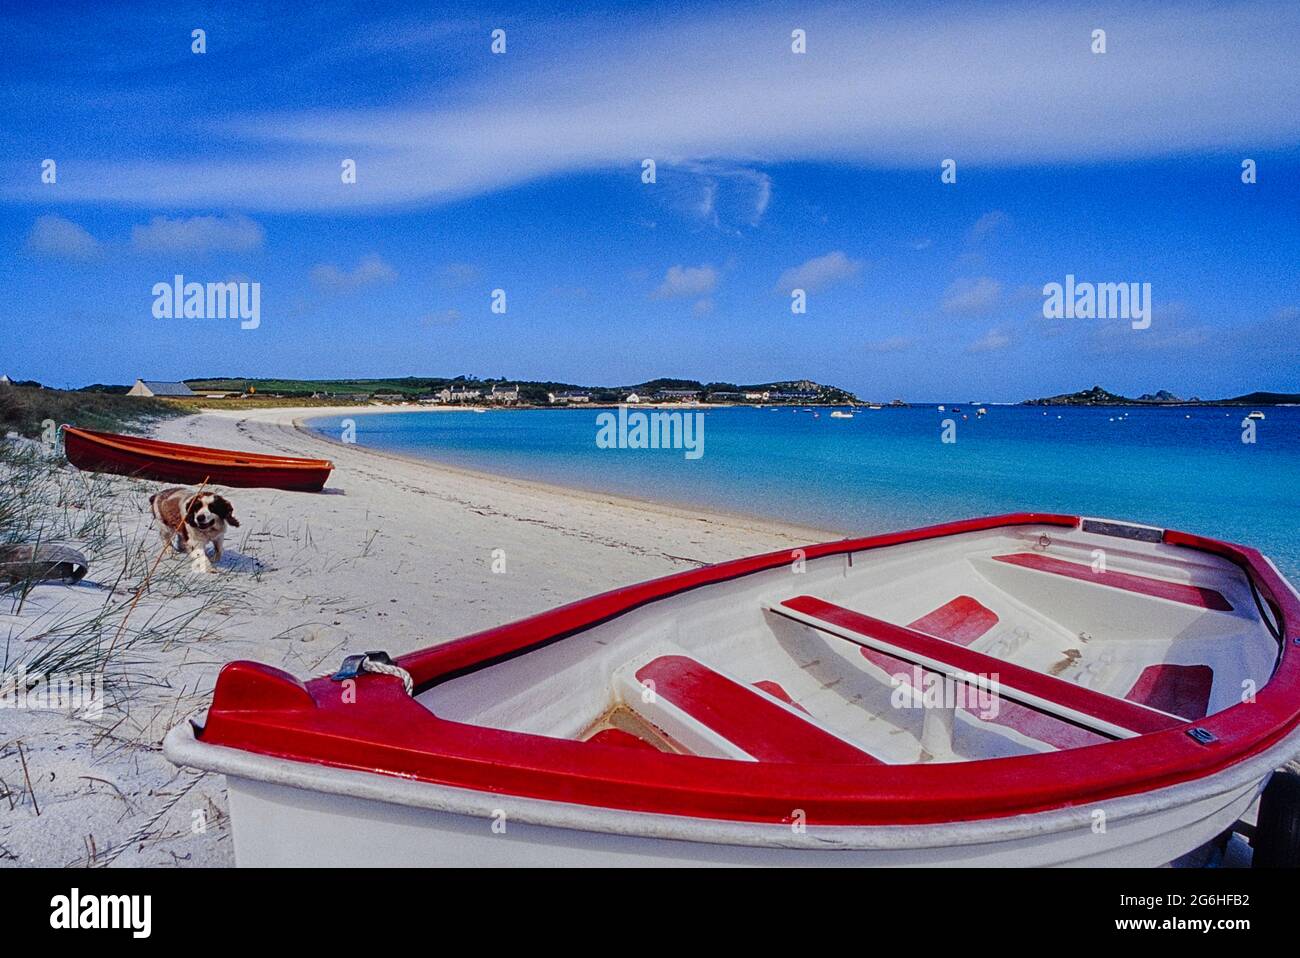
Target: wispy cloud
x=992 y=341
x=198 y=234
x=54 y=236
x=819 y=272
x=370 y=270
x=976 y=295
x=1014 y=85
x=683 y=281
x=987 y=225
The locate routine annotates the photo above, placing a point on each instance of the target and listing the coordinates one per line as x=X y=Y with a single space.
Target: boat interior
x=1006 y=641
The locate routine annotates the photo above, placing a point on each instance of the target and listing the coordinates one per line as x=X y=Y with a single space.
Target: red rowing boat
x=1020 y=690
x=176 y=462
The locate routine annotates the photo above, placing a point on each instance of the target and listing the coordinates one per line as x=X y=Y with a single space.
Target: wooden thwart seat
x=726 y=718
x=1107 y=714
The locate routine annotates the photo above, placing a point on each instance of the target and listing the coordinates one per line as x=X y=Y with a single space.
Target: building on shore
x=459 y=395
x=678 y=395
x=504 y=394
x=796 y=396
x=156 y=388
x=567 y=398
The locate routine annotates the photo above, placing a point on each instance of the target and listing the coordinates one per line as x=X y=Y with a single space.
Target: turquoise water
x=887 y=469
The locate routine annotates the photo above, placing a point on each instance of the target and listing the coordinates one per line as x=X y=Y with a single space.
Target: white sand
x=397 y=554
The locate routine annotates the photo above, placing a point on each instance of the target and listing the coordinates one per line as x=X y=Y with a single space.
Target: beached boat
x=1029 y=689
x=177 y=462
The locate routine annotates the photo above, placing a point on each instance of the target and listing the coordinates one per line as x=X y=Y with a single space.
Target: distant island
x=1096 y=396
x=470 y=390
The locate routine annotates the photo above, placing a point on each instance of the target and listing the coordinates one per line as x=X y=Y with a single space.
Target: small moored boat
x=176 y=462
x=982 y=692
x=841 y=414
x=1255 y=415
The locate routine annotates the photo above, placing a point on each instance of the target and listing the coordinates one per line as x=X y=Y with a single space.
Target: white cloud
x=198 y=234
x=992 y=341
x=370 y=270
x=819 y=272
x=55 y=236
x=972 y=295
x=1010 y=86
x=987 y=224
x=681 y=281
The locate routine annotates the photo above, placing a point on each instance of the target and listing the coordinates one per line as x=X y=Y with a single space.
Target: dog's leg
x=216 y=550
x=199 y=560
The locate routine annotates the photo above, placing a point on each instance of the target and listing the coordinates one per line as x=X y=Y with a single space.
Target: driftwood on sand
x=28 y=562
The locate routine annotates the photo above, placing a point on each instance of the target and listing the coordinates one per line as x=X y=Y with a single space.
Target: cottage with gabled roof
x=153 y=387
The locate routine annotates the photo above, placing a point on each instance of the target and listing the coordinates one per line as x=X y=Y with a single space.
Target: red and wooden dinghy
x=176 y=462
x=1021 y=690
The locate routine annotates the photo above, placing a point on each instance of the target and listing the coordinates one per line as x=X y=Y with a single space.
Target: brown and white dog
x=188 y=521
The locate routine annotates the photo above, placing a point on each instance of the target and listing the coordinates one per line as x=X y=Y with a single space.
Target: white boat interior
x=1008 y=641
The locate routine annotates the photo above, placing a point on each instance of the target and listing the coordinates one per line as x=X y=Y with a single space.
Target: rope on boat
x=387 y=668
x=378 y=662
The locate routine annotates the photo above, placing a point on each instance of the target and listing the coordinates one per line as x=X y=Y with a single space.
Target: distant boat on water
x=841 y=414
x=1256 y=415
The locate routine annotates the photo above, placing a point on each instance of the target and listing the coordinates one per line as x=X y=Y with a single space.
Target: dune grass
x=127 y=604
x=25 y=410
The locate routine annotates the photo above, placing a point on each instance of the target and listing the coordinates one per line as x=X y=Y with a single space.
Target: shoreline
x=678 y=510
x=397 y=553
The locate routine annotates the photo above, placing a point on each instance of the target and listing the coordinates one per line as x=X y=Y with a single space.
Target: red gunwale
x=177 y=462
x=265 y=711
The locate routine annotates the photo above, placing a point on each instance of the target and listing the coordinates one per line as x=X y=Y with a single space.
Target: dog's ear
x=222 y=507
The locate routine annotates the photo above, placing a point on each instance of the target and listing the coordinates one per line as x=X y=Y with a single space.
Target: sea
x=1184 y=468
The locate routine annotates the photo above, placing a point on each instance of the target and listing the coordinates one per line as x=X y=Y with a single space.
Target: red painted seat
x=765 y=729
x=1182 y=690
x=1107 y=714
x=1194 y=595
x=775 y=690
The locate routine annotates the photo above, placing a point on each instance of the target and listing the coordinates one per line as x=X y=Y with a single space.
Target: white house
x=570 y=397
x=151 y=387
x=458 y=395
x=504 y=394
x=632 y=398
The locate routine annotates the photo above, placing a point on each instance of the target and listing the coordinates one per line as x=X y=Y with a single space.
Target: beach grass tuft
x=102 y=625
x=25 y=410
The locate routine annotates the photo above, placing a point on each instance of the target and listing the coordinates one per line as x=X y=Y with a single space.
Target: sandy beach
x=396 y=554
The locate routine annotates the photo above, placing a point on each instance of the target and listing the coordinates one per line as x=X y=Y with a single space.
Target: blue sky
x=522 y=171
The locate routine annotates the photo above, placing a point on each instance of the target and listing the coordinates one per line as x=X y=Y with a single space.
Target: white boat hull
x=290 y=814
